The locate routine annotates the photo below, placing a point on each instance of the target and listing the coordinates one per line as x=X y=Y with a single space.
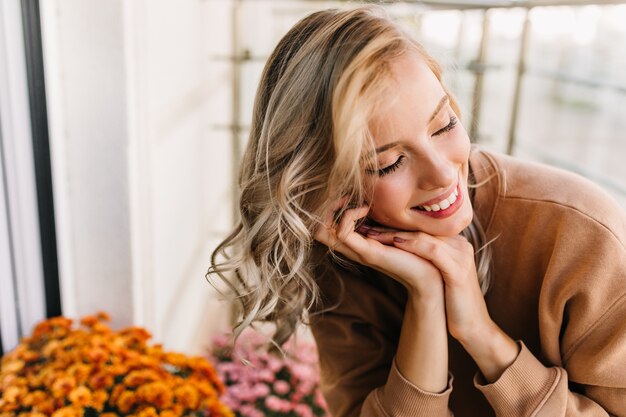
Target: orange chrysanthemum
x=126 y=401
x=157 y=394
x=187 y=396
x=80 y=396
x=67 y=412
x=148 y=412
x=64 y=372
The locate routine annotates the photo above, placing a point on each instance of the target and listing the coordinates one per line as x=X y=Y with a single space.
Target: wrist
x=427 y=295
x=492 y=350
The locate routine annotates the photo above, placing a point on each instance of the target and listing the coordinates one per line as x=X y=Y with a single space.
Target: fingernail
x=371 y=232
x=398 y=239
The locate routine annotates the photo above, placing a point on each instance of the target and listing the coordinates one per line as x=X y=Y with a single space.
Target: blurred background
x=122 y=125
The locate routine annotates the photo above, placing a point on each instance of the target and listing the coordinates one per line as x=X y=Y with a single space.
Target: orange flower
x=67 y=412
x=33 y=398
x=98 y=399
x=115 y=394
x=103 y=316
x=219 y=409
x=89 y=321
x=97 y=355
x=62 y=386
x=54 y=327
x=101 y=380
x=126 y=401
x=187 y=396
x=46 y=406
x=30 y=356
x=59 y=371
x=8 y=407
x=14 y=394
x=136 y=378
x=135 y=335
x=80 y=397
x=51 y=348
x=156 y=393
x=177 y=359
x=13 y=366
x=148 y=412
x=79 y=371
x=178 y=410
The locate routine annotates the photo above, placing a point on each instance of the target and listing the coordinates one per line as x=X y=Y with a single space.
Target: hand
x=466 y=311
x=417 y=274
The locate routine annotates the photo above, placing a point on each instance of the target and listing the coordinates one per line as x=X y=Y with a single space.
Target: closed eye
x=448 y=127
x=390 y=168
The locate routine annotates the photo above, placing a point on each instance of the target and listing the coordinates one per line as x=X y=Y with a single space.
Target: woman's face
x=422 y=151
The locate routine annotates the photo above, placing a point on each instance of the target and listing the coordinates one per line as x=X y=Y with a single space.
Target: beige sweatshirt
x=558 y=287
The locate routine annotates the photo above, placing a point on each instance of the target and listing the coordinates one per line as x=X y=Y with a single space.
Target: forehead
x=408 y=102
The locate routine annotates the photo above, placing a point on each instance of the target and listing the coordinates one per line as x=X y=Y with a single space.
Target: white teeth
x=443 y=204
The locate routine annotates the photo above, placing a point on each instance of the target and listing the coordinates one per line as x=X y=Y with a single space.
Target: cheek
x=390 y=196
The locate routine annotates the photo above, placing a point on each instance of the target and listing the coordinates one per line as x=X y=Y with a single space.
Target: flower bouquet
x=92 y=371
x=259 y=383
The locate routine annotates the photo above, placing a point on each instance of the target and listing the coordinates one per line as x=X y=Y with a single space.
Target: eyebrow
x=444 y=100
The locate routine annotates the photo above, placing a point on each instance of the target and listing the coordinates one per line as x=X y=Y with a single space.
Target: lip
x=441 y=214
x=440 y=196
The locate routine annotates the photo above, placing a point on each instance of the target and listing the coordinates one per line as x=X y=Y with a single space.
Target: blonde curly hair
x=309 y=145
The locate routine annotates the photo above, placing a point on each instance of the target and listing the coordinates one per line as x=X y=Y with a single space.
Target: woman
x=438 y=279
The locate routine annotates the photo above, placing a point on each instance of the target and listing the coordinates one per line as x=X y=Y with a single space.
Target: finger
x=386 y=237
x=460 y=243
x=328 y=220
x=333 y=235
x=428 y=247
x=347 y=224
x=455 y=265
x=327 y=236
x=331 y=213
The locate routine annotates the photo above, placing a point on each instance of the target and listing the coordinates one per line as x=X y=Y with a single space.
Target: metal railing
x=478 y=66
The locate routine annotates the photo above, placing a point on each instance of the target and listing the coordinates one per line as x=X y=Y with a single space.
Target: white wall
x=22 y=302
x=142 y=177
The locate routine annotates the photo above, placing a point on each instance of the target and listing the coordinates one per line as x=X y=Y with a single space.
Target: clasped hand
x=430 y=267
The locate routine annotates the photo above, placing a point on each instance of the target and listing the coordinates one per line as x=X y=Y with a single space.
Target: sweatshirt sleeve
x=357 y=337
x=359 y=376
x=582 y=314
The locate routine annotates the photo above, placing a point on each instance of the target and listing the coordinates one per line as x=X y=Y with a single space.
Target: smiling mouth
x=443 y=204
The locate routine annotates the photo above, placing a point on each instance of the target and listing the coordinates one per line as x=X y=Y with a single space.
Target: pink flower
x=303 y=410
x=281 y=387
x=277 y=404
x=251 y=377
x=261 y=390
x=249 y=411
x=266 y=375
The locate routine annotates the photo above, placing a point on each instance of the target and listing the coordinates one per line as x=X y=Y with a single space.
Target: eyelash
x=449 y=127
x=391 y=168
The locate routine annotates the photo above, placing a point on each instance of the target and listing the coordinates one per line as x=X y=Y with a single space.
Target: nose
x=435 y=171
